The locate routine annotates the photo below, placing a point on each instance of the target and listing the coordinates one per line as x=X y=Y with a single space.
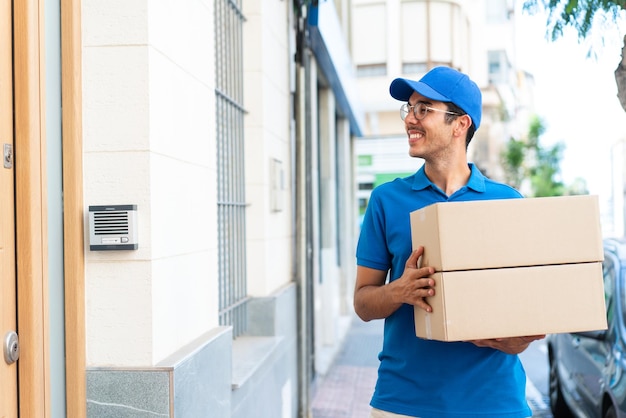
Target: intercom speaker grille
x=110 y=223
x=113 y=227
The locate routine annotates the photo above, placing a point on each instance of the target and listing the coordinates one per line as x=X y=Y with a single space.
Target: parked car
x=588 y=369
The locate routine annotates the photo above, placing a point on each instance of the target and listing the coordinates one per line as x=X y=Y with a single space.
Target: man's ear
x=463 y=123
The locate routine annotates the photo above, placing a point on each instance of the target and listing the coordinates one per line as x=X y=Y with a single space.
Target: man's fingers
x=425 y=306
x=413 y=260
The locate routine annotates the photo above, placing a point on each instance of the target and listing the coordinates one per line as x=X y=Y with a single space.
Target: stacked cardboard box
x=514 y=267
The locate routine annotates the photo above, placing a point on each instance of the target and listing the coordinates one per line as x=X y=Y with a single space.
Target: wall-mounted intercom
x=113 y=227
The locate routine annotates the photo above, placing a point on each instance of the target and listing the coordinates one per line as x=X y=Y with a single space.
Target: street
x=535 y=361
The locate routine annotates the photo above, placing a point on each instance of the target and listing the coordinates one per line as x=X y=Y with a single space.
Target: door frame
x=73 y=217
x=8 y=292
x=31 y=209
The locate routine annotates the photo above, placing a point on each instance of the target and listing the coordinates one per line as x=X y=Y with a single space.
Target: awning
x=332 y=55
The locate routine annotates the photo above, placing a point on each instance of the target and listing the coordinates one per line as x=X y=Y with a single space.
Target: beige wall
x=149 y=140
x=268 y=145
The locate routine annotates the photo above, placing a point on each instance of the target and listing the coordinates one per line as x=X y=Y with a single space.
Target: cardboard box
x=510 y=302
x=508 y=233
x=508 y=268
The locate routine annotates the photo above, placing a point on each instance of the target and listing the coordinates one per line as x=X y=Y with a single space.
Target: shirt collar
x=476 y=181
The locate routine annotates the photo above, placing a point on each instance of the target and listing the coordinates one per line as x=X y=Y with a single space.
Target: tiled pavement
x=345 y=391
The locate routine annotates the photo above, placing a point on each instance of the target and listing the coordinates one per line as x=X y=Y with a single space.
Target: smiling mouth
x=414 y=136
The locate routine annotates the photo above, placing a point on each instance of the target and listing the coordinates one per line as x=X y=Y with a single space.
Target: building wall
x=149 y=140
x=154 y=343
x=267 y=96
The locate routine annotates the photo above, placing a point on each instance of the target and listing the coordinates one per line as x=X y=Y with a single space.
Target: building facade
x=476 y=37
x=221 y=134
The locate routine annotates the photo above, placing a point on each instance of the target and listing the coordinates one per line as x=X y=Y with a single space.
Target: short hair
x=459 y=112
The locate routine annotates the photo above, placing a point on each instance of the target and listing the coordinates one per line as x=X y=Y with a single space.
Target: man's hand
x=513 y=345
x=373 y=299
x=414 y=284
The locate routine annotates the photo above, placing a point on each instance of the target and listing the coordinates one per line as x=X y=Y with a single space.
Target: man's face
x=431 y=137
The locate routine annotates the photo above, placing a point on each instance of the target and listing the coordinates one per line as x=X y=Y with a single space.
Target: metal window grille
x=231 y=206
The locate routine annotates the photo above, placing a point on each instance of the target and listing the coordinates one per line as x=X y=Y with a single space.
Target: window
x=231 y=205
x=371 y=70
x=414 y=67
x=431 y=34
x=499 y=66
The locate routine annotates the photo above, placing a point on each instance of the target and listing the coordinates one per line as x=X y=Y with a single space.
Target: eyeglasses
x=420 y=110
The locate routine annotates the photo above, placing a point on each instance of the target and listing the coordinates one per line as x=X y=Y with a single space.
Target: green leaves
x=578 y=14
x=529 y=165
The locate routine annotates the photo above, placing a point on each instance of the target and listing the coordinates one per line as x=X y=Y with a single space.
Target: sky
x=576 y=96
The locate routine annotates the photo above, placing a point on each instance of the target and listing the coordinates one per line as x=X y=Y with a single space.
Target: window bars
x=231 y=205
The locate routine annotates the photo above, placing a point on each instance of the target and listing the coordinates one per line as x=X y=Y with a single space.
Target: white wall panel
x=184 y=299
x=267 y=100
x=443 y=35
x=182 y=114
x=118 y=310
x=114 y=22
x=149 y=121
x=115 y=98
x=370 y=25
x=414 y=32
x=183 y=31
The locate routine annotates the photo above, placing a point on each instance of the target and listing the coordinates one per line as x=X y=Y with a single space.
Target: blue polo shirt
x=427 y=378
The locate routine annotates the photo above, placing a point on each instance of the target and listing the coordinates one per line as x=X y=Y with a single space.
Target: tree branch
x=620 y=78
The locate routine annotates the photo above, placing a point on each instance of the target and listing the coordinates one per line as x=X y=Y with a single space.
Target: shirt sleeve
x=372 y=250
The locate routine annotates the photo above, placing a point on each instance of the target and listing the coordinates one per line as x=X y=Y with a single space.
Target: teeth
x=415 y=135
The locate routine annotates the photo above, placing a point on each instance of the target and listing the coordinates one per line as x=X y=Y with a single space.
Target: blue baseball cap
x=443 y=84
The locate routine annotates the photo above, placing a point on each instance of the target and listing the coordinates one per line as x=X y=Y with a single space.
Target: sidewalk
x=345 y=391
